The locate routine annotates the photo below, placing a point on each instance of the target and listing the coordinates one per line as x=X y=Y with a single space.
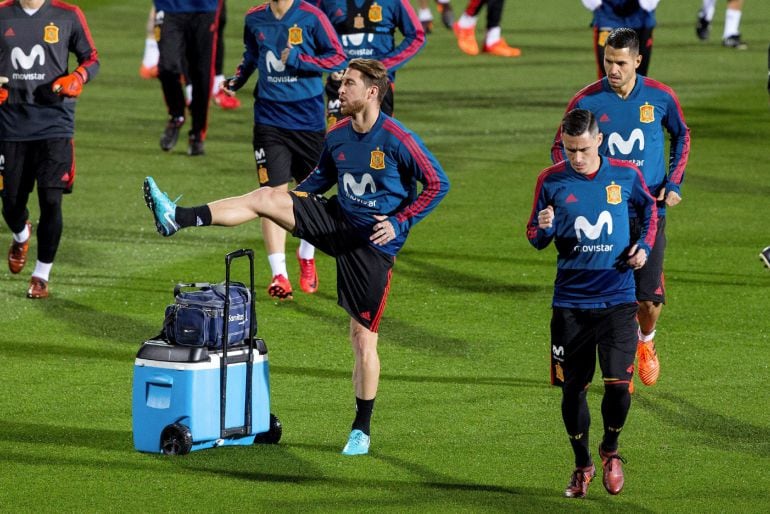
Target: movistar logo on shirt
x=22 y=60
x=274 y=64
x=355 y=189
x=584 y=229
x=351 y=41
x=616 y=144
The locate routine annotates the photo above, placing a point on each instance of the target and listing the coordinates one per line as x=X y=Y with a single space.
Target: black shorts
x=282 y=155
x=576 y=334
x=650 y=282
x=363 y=272
x=49 y=162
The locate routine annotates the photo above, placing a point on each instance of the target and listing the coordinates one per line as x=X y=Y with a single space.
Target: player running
x=633 y=112
x=37 y=122
x=582 y=205
x=375 y=162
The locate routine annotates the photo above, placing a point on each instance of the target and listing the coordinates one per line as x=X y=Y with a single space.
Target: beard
x=351 y=108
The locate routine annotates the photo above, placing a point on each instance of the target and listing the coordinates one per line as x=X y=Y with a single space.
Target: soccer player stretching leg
x=375 y=163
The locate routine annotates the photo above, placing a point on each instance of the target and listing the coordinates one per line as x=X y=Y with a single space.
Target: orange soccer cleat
x=17 y=253
x=148 y=72
x=612 y=467
x=579 y=482
x=38 y=288
x=280 y=288
x=649 y=365
x=226 y=101
x=466 y=39
x=502 y=49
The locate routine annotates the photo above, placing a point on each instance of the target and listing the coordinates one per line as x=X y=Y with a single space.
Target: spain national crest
x=646 y=113
x=51 y=34
x=377 y=161
x=375 y=13
x=295 y=35
x=262 y=174
x=614 y=196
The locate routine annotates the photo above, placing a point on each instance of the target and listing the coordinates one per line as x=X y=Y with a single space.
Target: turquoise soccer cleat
x=358 y=444
x=162 y=208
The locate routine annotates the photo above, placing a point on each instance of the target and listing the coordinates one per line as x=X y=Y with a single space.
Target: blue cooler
x=192 y=398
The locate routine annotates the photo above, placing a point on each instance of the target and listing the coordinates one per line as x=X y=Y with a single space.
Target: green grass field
x=465 y=420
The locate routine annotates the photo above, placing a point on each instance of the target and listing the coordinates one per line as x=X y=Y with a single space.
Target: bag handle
x=178 y=288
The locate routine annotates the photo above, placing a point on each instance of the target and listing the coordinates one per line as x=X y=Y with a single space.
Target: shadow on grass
x=714 y=428
x=42 y=350
x=39 y=433
x=87 y=321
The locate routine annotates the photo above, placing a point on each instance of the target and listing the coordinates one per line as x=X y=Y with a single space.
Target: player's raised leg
x=266 y=202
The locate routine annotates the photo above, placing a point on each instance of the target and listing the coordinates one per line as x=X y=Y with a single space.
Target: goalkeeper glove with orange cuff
x=3 y=95
x=71 y=85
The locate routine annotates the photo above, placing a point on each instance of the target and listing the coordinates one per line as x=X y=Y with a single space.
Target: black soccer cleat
x=702 y=27
x=735 y=42
x=195 y=145
x=764 y=256
x=171 y=133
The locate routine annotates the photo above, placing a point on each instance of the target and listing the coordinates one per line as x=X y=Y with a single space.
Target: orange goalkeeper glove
x=3 y=95
x=71 y=85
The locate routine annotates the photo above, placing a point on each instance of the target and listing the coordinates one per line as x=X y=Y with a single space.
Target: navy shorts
x=650 y=282
x=282 y=155
x=363 y=272
x=49 y=162
x=577 y=335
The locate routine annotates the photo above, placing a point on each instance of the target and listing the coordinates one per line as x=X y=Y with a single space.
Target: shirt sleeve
x=539 y=237
x=82 y=45
x=249 y=60
x=322 y=178
x=679 y=149
x=328 y=54
x=646 y=210
x=414 y=37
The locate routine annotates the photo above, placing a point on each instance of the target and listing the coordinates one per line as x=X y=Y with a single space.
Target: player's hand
x=230 y=86
x=382 y=231
x=637 y=258
x=336 y=75
x=545 y=218
x=285 y=53
x=70 y=85
x=672 y=198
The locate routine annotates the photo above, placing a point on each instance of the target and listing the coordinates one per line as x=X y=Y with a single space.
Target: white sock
x=707 y=11
x=732 y=23
x=467 y=22
x=23 y=235
x=42 y=270
x=493 y=36
x=278 y=264
x=217 y=84
x=646 y=338
x=151 y=53
x=188 y=94
x=445 y=2
x=425 y=15
x=306 y=250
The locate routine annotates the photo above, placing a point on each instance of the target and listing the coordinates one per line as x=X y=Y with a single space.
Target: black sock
x=199 y=216
x=577 y=420
x=615 y=406
x=363 y=415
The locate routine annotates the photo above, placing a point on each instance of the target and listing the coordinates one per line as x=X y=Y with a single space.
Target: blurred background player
x=291 y=43
x=731 y=36
x=149 y=66
x=369 y=30
x=612 y=14
x=426 y=16
x=187 y=46
x=634 y=113
x=465 y=30
x=589 y=197
x=37 y=123
x=375 y=163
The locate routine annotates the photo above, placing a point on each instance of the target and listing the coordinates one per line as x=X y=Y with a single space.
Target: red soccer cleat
x=308 y=277
x=148 y=72
x=579 y=482
x=501 y=49
x=226 y=101
x=466 y=39
x=17 y=253
x=38 y=288
x=612 y=466
x=280 y=288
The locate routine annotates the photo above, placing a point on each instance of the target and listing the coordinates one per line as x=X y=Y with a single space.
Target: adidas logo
x=366 y=315
x=10 y=32
x=604 y=118
x=261 y=36
x=571 y=198
x=341 y=156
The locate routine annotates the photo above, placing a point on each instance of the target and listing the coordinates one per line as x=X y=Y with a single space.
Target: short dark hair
x=374 y=72
x=623 y=38
x=578 y=121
